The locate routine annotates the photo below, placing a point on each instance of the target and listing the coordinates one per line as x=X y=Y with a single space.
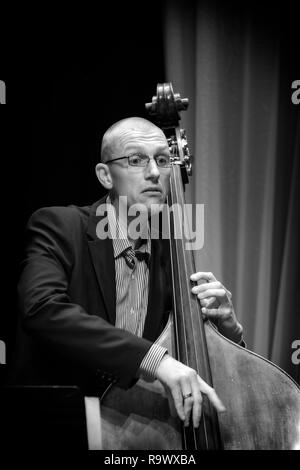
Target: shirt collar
x=120 y=241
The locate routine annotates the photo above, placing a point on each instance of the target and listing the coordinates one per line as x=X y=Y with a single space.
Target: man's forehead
x=138 y=129
x=130 y=133
x=141 y=136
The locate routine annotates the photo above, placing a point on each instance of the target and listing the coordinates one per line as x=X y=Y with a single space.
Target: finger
x=220 y=294
x=177 y=398
x=187 y=405
x=211 y=395
x=207 y=285
x=211 y=302
x=212 y=313
x=224 y=312
x=186 y=389
x=197 y=405
x=207 y=276
x=199 y=288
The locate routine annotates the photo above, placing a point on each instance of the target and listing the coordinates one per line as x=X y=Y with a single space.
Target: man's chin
x=155 y=208
x=153 y=198
x=150 y=207
x=155 y=204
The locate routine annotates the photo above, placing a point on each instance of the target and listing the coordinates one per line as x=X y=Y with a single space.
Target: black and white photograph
x=150 y=224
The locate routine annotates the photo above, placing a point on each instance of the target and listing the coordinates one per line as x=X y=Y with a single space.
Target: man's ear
x=103 y=175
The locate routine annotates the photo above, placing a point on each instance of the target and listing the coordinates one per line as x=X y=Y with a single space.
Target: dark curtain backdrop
x=236 y=62
x=71 y=74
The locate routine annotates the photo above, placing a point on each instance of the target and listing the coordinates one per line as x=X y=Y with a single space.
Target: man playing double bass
x=93 y=306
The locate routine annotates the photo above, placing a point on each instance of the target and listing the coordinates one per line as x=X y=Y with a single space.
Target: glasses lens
x=163 y=161
x=138 y=160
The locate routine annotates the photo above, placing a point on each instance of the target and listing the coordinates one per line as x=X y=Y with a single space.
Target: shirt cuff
x=151 y=361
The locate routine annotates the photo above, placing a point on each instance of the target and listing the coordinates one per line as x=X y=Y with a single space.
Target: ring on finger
x=188 y=395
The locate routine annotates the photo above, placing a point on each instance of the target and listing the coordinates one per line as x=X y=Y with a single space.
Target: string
x=175 y=188
x=178 y=187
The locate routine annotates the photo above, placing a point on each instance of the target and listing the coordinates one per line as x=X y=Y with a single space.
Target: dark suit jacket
x=68 y=304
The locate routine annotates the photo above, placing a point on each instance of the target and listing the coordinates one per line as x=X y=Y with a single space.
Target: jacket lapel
x=102 y=255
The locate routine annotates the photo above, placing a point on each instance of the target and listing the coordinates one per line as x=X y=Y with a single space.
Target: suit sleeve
x=64 y=328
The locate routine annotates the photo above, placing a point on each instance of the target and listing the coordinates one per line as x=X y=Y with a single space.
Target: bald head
x=124 y=131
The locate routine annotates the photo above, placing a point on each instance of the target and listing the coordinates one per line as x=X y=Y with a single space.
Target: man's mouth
x=152 y=189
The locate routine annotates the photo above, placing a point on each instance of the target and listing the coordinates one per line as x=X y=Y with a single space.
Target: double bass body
x=262 y=402
x=262 y=405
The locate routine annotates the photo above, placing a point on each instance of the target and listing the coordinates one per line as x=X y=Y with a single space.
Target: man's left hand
x=216 y=305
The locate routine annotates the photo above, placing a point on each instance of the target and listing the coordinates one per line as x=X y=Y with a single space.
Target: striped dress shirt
x=132 y=289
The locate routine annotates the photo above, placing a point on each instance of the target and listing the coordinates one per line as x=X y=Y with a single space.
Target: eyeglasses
x=140 y=160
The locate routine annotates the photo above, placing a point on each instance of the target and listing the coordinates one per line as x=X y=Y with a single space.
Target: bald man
x=94 y=301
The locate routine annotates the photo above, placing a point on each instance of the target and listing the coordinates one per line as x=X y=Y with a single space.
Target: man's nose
x=152 y=170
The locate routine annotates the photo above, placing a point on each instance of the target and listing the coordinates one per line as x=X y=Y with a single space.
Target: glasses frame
x=142 y=166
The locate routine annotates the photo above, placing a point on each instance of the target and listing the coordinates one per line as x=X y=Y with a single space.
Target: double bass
x=262 y=401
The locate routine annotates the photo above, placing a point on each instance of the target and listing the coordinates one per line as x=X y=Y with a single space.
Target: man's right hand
x=179 y=381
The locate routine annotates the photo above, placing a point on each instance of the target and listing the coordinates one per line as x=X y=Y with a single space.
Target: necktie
x=131 y=255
